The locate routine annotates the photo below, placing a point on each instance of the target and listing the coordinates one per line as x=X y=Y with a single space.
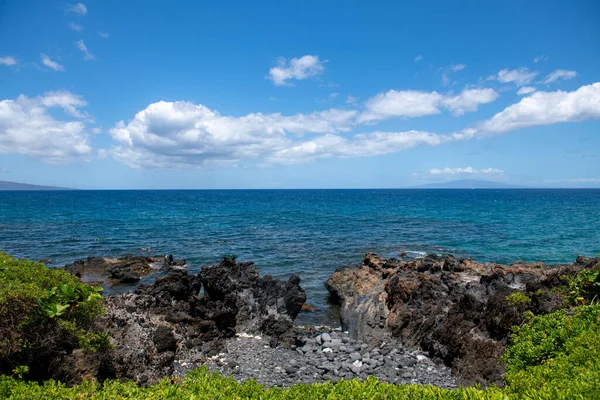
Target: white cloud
x=296 y=68
x=80 y=44
x=520 y=76
x=78 y=8
x=560 y=74
x=468 y=100
x=526 y=90
x=361 y=145
x=466 y=171
x=413 y=103
x=75 y=27
x=351 y=100
x=186 y=135
x=546 y=108
x=418 y=58
x=26 y=127
x=104 y=35
x=51 y=64
x=460 y=172
x=538 y=59
x=8 y=60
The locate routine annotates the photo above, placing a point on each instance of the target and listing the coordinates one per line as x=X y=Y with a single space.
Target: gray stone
x=355 y=356
x=355 y=369
x=291 y=370
x=326 y=337
x=408 y=362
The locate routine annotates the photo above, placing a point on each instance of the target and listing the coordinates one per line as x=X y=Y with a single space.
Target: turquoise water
x=308 y=232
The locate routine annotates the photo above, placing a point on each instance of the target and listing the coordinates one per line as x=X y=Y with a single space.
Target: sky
x=191 y=95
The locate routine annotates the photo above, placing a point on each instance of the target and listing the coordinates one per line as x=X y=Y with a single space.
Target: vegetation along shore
x=436 y=327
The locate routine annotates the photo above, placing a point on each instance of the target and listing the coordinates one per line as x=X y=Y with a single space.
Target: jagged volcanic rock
x=170 y=322
x=455 y=309
x=263 y=304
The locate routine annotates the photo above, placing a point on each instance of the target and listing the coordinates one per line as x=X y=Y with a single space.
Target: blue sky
x=130 y=94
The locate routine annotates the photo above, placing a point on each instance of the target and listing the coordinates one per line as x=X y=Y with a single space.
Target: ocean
x=307 y=232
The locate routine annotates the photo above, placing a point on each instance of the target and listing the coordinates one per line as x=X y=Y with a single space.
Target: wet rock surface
x=120 y=271
x=457 y=310
x=322 y=355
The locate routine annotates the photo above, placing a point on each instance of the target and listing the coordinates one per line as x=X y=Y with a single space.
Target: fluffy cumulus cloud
x=185 y=135
x=560 y=74
x=520 y=76
x=8 y=60
x=547 y=108
x=79 y=9
x=296 y=68
x=27 y=127
x=51 y=64
x=414 y=103
x=80 y=44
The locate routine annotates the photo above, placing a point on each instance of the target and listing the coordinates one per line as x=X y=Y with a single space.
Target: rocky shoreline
x=436 y=320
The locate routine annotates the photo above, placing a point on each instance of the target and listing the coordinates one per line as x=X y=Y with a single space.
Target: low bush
x=556 y=356
x=585 y=286
x=200 y=385
x=44 y=310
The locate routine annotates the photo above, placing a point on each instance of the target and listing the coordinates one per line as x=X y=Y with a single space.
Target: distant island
x=5 y=185
x=468 y=184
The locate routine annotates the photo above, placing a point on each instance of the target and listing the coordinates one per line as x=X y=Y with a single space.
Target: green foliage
x=518 y=298
x=20 y=371
x=40 y=306
x=200 y=385
x=585 y=286
x=556 y=355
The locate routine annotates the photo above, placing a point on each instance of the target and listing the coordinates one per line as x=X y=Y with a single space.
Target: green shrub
x=42 y=308
x=585 y=286
x=518 y=298
x=200 y=385
x=556 y=355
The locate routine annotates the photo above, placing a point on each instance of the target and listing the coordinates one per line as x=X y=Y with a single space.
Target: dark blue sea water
x=307 y=232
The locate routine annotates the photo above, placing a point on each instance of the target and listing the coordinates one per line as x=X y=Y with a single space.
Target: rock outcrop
x=117 y=271
x=458 y=310
x=262 y=304
x=171 y=322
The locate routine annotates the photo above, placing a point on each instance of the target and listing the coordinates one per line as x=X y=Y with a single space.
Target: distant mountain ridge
x=6 y=185
x=468 y=184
